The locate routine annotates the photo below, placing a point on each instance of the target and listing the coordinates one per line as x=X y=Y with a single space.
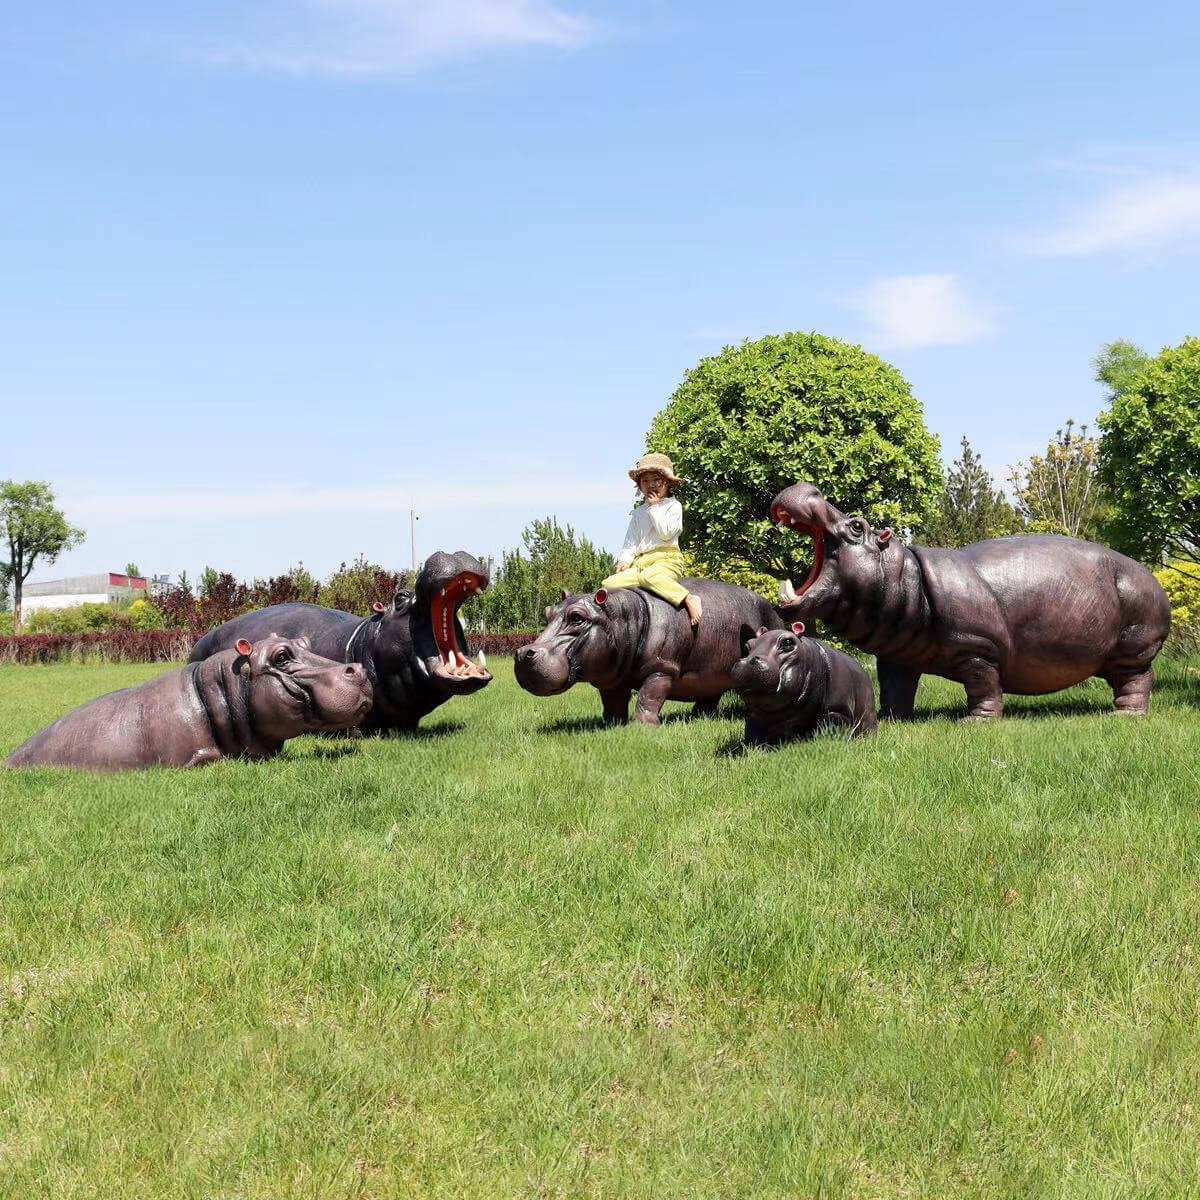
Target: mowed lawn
x=523 y=955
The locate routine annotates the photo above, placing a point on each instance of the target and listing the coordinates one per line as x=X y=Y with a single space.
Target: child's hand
x=621 y=566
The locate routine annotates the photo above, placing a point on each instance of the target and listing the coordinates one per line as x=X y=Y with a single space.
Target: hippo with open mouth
x=241 y=703
x=793 y=685
x=628 y=639
x=1028 y=614
x=415 y=651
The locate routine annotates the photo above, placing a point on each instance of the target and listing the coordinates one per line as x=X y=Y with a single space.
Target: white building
x=105 y=588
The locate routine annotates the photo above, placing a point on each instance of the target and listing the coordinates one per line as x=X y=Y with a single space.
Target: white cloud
x=913 y=311
x=1147 y=213
x=372 y=38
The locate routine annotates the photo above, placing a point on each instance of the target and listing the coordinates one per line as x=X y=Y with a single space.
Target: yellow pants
x=657 y=571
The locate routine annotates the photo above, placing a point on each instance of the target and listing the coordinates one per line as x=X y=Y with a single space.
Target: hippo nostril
x=353 y=670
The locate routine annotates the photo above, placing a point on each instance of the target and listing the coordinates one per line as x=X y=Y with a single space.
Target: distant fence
x=160 y=646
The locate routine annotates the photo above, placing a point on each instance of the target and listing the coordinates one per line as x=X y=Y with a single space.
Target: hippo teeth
x=482 y=660
x=787 y=591
x=782 y=524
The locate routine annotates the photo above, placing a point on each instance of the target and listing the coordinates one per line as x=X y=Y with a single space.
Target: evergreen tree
x=971 y=507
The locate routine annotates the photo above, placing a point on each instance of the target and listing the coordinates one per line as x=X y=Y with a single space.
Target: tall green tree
x=800 y=406
x=32 y=530
x=971 y=507
x=131 y=569
x=1058 y=492
x=527 y=581
x=1150 y=458
x=1118 y=365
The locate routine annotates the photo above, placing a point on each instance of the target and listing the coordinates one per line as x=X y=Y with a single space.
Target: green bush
x=1181 y=582
x=801 y=406
x=526 y=583
x=78 y=618
x=1149 y=458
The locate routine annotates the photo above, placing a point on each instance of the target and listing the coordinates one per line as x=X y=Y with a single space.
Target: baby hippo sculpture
x=628 y=639
x=1029 y=614
x=241 y=703
x=414 y=650
x=793 y=685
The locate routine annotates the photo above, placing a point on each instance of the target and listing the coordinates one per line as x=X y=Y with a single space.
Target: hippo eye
x=858 y=527
x=787 y=644
x=281 y=656
x=576 y=618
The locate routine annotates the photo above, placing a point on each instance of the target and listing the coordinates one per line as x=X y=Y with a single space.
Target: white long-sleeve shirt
x=653 y=527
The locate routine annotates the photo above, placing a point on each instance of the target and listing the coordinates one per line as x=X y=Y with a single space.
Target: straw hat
x=655 y=462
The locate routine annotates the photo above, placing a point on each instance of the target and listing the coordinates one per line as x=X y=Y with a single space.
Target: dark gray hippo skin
x=793 y=685
x=1028 y=614
x=415 y=651
x=628 y=639
x=238 y=704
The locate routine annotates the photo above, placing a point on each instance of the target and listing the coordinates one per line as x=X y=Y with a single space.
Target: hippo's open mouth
x=453 y=662
x=789 y=594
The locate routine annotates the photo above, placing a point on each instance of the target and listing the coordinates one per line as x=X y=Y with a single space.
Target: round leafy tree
x=1150 y=457
x=800 y=406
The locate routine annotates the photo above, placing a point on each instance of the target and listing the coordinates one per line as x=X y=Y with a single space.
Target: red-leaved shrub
x=119 y=645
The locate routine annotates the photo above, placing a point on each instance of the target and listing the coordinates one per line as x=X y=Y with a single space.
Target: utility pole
x=412 y=532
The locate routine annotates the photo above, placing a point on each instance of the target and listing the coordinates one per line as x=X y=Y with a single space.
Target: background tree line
x=744 y=424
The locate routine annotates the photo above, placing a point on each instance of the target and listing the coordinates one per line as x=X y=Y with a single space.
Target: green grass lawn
x=522 y=955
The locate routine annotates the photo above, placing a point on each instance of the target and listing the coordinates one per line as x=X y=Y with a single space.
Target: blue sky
x=274 y=269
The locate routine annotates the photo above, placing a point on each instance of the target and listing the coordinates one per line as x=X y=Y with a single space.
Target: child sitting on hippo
x=651 y=557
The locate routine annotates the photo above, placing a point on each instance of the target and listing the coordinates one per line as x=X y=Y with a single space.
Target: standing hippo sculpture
x=1028 y=614
x=793 y=685
x=414 y=651
x=241 y=703
x=628 y=639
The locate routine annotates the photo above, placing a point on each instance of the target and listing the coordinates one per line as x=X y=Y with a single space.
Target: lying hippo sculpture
x=241 y=703
x=627 y=639
x=1029 y=614
x=414 y=651
x=793 y=685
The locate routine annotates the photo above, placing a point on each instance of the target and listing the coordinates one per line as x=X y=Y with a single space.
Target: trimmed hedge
x=117 y=645
x=166 y=645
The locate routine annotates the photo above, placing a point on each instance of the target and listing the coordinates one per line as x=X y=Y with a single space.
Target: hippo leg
x=1131 y=688
x=756 y=734
x=985 y=697
x=897 y=690
x=210 y=754
x=652 y=696
x=706 y=708
x=616 y=705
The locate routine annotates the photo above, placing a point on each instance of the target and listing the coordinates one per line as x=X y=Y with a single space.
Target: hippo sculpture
x=414 y=651
x=1028 y=614
x=241 y=703
x=627 y=639
x=793 y=685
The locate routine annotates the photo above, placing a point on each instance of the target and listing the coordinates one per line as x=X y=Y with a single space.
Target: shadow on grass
x=590 y=724
x=335 y=750
x=576 y=725
x=427 y=732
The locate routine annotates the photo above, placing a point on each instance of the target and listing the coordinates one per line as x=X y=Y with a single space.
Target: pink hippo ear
x=377 y=606
x=798 y=628
x=761 y=630
x=883 y=537
x=243 y=646
x=601 y=597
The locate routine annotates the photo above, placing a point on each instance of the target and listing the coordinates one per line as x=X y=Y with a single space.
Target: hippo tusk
x=782 y=524
x=787 y=591
x=483 y=660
